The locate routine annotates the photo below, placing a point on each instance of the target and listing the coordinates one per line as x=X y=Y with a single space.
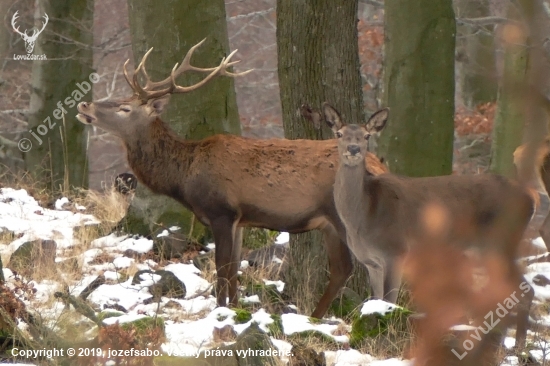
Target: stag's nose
x=354 y=149
x=83 y=105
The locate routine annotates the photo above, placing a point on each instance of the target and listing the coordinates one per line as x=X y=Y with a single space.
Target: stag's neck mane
x=151 y=155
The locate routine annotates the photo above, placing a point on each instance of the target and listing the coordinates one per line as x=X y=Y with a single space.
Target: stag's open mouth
x=84 y=118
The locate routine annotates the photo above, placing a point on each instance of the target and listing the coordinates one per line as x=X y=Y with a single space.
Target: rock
x=34 y=255
x=168 y=285
x=224 y=334
x=252 y=348
x=541 y=280
x=306 y=356
x=257 y=345
x=125 y=183
x=171 y=246
x=204 y=261
x=273 y=255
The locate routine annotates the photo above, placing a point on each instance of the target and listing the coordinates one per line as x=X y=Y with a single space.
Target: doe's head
x=353 y=140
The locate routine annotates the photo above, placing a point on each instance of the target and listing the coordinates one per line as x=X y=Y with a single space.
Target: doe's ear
x=332 y=117
x=377 y=121
x=158 y=105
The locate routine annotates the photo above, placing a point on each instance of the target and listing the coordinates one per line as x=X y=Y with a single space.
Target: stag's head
x=353 y=140
x=123 y=118
x=28 y=39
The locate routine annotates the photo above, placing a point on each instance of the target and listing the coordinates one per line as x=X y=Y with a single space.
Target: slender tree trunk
x=419 y=87
x=58 y=153
x=478 y=67
x=172 y=27
x=522 y=109
x=318 y=61
x=510 y=113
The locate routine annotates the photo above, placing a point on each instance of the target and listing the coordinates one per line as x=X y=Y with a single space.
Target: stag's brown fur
x=259 y=181
x=229 y=181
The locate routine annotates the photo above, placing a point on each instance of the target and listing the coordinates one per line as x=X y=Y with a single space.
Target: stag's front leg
x=223 y=231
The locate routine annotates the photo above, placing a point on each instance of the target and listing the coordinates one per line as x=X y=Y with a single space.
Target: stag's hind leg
x=340 y=268
x=224 y=231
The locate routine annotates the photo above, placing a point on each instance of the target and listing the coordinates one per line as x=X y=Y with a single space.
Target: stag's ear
x=377 y=121
x=158 y=105
x=332 y=117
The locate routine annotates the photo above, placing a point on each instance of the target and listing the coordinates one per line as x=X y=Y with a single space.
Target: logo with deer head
x=29 y=39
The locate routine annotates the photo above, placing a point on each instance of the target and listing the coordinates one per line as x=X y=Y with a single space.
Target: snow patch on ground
x=378 y=306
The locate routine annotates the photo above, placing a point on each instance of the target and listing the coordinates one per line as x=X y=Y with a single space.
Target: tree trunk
x=318 y=61
x=58 y=153
x=509 y=116
x=477 y=48
x=173 y=27
x=419 y=87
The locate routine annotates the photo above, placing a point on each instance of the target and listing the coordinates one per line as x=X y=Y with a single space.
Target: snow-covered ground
x=190 y=327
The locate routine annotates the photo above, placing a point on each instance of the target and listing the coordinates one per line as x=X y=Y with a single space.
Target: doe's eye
x=338 y=134
x=124 y=109
x=367 y=136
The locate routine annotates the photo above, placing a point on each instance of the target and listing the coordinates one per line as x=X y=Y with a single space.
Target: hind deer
x=381 y=214
x=228 y=181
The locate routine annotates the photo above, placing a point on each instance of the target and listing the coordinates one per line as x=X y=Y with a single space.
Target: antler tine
x=184 y=66
x=125 y=71
x=169 y=85
x=145 y=92
x=184 y=89
x=133 y=82
x=227 y=64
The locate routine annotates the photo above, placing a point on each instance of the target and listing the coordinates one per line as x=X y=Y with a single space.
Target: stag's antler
x=150 y=89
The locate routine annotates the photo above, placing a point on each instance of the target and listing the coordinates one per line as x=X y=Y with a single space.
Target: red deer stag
x=228 y=181
x=381 y=214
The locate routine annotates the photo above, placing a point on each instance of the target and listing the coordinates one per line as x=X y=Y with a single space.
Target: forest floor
x=191 y=325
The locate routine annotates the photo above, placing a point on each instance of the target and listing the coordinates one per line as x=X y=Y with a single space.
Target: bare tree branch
x=490 y=20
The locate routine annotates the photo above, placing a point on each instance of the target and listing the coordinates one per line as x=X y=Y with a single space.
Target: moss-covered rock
x=242 y=316
x=276 y=328
x=374 y=324
x=109 y=314
x=344 y=305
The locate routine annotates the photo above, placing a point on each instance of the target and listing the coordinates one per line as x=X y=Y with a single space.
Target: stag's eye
x=367 y=136
x=124 y=109
x=338 y=134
